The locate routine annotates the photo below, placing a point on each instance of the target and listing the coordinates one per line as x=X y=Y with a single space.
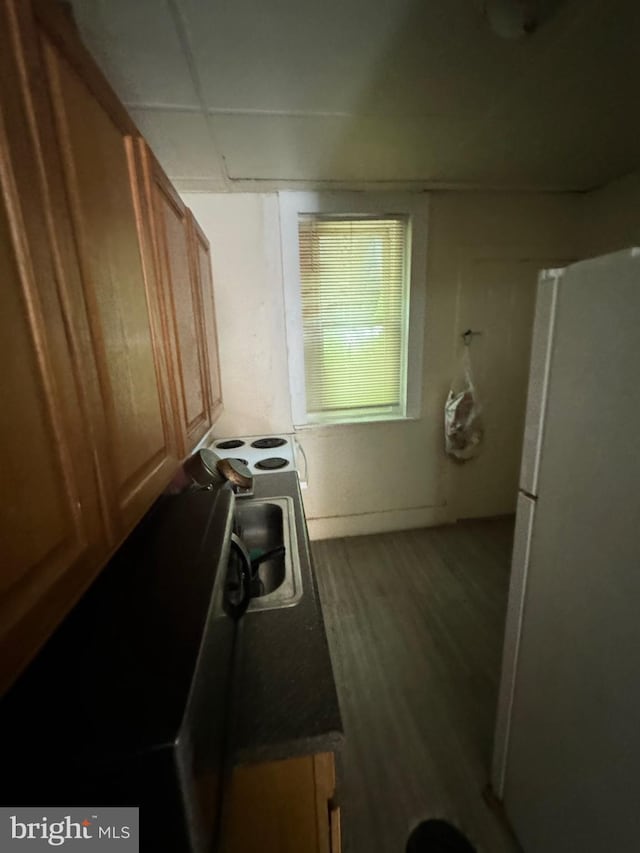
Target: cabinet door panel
x=202 y=261
x=51 y=531
x=103 y=185
x=30 y=432
x=290 y=807
x=184 y=310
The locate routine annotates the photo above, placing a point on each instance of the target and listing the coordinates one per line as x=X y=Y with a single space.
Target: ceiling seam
x=182 y=30
x=274 y=184
x=253 y=111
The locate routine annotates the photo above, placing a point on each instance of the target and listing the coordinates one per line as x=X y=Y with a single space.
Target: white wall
x=244 y=233
x=611 y=217
x=484 y=251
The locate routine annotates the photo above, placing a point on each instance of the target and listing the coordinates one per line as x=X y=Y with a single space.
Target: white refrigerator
x=566 y=760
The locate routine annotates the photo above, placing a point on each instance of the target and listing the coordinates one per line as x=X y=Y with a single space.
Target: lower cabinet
x=284 y=807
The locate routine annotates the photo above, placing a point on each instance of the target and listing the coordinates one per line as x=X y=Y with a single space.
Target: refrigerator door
x=517 y=589
x=574 y=747
x=541 y=347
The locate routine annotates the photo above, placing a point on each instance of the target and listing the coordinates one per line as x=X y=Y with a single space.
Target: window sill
x=387 y=419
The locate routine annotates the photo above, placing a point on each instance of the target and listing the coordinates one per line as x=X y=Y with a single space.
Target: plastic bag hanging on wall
x=463 y=429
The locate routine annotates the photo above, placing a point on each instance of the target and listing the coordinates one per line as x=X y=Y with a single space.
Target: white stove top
x=278 y=455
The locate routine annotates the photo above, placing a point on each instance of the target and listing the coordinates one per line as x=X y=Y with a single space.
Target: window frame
x=357 y=204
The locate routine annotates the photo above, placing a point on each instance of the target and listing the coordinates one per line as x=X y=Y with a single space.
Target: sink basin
x=267 y=527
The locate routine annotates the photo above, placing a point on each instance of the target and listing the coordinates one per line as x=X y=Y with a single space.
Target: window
x=354 y=311
x=354 y=293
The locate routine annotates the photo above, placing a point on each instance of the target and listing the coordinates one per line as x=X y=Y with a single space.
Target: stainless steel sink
x=267 y=526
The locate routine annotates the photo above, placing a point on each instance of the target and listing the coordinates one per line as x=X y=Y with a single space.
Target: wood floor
x=415 y=622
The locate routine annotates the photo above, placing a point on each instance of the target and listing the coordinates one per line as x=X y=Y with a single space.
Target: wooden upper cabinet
x=201 y=258
x=102 y=171
x=107 y=345
x=183 y=268
x=51 y=530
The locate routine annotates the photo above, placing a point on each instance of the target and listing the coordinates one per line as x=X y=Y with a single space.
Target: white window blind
x=354 y=292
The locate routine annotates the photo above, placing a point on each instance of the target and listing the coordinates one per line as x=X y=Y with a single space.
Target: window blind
x=354 y=289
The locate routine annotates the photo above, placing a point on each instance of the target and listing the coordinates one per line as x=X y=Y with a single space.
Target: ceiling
x=352 y=92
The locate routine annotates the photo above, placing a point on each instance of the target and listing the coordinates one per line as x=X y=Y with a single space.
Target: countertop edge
x=282 y=714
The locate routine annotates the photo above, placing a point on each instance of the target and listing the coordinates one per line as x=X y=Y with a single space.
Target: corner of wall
x=610 y=217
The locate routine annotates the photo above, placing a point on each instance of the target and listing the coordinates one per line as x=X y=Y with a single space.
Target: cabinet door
x=201 y=259
x=183 y=308
x=134 y=431
x=51 y=532
x=290 y=806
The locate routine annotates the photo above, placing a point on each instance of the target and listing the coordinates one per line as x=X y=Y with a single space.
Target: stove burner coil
x=230 y=444
x=272 y=463
x=267 y=443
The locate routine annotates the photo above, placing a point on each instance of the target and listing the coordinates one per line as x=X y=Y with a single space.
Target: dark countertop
x=285 y=695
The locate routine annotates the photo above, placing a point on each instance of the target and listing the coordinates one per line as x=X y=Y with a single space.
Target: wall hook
x=468 y=336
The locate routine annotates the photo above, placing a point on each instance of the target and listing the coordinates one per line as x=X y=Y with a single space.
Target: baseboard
x=335 y=527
